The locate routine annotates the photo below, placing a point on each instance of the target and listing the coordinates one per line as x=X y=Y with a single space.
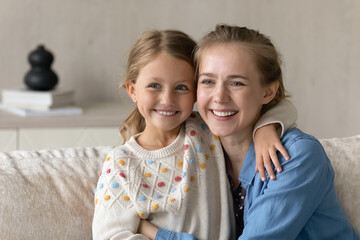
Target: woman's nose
x=221 y=94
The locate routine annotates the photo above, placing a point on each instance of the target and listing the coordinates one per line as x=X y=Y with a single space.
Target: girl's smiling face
x=230 y=94
x=164 y=92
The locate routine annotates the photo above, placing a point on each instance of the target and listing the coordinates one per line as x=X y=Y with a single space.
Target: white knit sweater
x=182 y=187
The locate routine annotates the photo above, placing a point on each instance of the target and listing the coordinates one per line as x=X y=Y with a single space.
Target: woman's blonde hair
x=266 y=57
x=175 y=43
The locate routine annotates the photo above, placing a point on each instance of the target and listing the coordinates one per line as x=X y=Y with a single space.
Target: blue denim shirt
x=301 y=203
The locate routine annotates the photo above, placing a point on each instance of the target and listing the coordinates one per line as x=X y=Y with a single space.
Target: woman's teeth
x=223 y=114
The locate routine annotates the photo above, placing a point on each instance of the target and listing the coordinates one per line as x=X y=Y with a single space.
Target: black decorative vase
x=41 y=77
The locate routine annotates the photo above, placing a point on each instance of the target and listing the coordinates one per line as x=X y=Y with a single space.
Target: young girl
x=171 y=171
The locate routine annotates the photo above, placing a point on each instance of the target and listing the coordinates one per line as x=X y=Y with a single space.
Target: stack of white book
x=25 y=102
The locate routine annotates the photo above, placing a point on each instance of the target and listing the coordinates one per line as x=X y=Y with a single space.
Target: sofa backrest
x=48 y=194
x=344 y=154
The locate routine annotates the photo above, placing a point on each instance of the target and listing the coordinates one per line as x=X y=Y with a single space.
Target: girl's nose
x=167 y=97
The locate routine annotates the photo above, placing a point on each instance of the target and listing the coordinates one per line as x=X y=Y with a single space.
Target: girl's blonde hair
x=266 y=57
x=175 y=43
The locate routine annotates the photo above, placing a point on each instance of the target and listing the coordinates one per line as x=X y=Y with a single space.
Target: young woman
x=171 y=171
x=240 y=78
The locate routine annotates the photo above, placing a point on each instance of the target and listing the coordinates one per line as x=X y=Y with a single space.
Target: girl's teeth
x=166 y=113
x=223 y=114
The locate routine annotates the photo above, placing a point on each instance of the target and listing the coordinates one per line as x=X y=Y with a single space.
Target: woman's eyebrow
x=207 y=75
x=237 y=76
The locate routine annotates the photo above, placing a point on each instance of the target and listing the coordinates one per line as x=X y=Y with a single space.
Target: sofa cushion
x=344 y=154
x=48 y=194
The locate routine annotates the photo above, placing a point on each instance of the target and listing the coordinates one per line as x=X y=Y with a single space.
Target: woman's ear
x=130 y=89
x=270 y=92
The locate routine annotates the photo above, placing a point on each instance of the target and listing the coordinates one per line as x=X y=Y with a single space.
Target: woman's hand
x=267 y=143
x=152 y=232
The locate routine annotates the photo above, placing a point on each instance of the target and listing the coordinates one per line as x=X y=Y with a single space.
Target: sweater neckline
x=169 y=150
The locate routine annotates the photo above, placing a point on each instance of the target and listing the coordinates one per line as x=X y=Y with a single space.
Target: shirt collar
x=247 y=172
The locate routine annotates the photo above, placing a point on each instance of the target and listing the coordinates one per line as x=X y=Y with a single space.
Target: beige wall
x=319 y=41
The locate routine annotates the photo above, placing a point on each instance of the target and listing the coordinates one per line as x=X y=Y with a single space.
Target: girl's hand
x=147 y=229
x=267 y=143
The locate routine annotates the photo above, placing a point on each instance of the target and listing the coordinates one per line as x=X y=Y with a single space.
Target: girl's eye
x=181 y=87
x=154 y=85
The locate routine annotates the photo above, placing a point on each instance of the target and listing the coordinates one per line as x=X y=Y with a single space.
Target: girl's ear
x=270 y=92
x=130 y=89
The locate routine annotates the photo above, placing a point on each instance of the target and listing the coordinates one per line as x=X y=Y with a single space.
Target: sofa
x=48 y=194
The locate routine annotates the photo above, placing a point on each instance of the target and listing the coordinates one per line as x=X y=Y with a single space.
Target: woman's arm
x=154 y=233
x=280 y=209
x=267 y=130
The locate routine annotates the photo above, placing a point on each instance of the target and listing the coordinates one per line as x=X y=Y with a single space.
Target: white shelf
x=98 y=126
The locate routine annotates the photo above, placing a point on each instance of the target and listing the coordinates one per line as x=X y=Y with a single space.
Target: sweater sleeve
x=115 y=216
x=284 y=113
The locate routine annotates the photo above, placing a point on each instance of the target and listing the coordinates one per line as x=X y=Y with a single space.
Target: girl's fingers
x=275 y=161
x=282 y=150
x=268 y=166
x=260 y=167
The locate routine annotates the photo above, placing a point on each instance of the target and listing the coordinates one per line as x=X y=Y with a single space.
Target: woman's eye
x=154 y=85
x=181 y=87
x=206 y=81
x=237 y=84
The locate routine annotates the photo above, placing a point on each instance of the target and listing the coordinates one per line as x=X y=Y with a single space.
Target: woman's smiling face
x=229 y=94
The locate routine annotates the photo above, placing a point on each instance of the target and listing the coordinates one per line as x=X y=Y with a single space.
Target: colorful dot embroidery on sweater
x=192 y=178
x=178 y=179
x=122 y=150
x=96 y=201
x=164 y=169
x=126 y=198
x=122 y=175
x=186 y=189
x=212 y=147
x=192 y=133
x=180 y=163
x=155 y=206
x=149 y=162
x=115 y=185
x=186 y=147
x=142 y=198
x=202 y=165
x=158 y=196
x=108 y=171
x=198 y=149
x=171 y=199
x=216 y=137
x=145 y=185
x=147 y=174
x=121 y=162
x=107 y=197
x=161 y=184
x=141 y=215
x=107 y=159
